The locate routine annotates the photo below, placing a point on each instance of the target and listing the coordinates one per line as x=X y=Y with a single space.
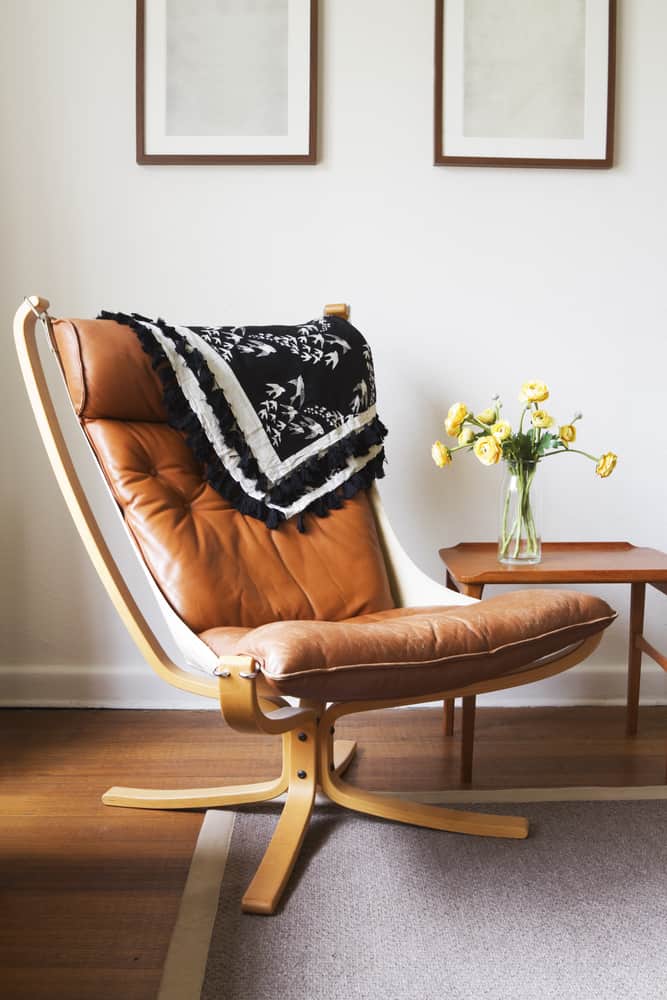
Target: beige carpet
x=578 y=911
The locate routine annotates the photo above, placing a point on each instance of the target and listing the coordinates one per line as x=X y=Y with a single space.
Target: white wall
x=466 y=281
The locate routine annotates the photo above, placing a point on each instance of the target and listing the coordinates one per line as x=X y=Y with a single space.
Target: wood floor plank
x=79 y=984
x=90 y=893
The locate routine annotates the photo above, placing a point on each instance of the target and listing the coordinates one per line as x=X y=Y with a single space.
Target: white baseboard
x=92 y=687
x=136 y=687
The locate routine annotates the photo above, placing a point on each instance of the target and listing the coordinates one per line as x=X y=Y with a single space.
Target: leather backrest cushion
x=214 y=565
x=218 y=567
x=108 y=374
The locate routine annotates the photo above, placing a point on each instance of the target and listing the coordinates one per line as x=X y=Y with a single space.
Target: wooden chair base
x=312 y=760
x=314 y=763
x=225 y=795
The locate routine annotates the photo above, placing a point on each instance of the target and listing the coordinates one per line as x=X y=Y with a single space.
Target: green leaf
x=547 y=441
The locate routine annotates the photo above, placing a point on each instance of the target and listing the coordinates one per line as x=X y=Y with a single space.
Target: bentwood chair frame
x=311 y=758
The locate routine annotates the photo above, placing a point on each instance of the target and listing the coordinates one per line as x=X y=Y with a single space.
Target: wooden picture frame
x=542 y=96
x=202 y=98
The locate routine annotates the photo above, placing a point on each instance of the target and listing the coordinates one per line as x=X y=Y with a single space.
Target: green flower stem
x=505 y=537
x=530 y=523
x=517 y=536
x=524 y=520
x=573 y=451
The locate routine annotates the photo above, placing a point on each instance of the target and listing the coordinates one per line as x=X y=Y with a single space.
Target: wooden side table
x=471 y=565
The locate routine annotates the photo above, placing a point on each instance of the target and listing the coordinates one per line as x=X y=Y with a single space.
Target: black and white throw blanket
x=283 y=417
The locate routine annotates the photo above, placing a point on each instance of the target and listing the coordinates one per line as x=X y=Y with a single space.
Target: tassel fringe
x=310 y=475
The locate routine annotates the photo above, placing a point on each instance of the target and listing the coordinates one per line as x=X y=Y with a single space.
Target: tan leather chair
x=337 y=618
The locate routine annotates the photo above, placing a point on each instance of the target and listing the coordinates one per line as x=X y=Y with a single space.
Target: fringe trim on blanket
x=313 y=472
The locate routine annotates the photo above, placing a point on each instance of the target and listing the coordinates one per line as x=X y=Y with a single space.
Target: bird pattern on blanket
x=298 y=410
x=283 y=417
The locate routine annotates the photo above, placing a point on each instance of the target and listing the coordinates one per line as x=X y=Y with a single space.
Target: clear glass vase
x=519 y=538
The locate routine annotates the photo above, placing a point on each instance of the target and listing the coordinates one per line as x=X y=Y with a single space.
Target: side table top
x=562 y=562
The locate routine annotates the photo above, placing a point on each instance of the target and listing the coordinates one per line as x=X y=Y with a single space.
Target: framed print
x=226 y=81
x=525 y=82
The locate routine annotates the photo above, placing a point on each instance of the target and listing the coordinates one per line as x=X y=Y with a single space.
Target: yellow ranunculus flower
x=467 y=436
x=606 y=464
x=542 y=419
x=488 y=450
x=487 y=417
x=457 y=413
x=441 y=454
x=501 y=430
x=533 y=392
x=568 y=433
x=455 y=416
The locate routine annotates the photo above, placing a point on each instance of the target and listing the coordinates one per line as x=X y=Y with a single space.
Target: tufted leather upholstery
x=213 y=565
x=108 y=374
x=315 y=610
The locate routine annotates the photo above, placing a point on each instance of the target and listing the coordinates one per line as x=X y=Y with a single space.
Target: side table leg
x=637 y=599
x=467 y=738
x=450 y=704
x=468 y=725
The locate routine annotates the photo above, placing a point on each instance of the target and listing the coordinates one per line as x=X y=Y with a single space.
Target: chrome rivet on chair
x=303 y=737
x=301 y=774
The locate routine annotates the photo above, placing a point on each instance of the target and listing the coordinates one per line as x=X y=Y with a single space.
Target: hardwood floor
x=90 y=893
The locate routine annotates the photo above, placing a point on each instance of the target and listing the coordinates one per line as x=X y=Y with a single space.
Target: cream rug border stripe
x=574 y=794
x=185 y=966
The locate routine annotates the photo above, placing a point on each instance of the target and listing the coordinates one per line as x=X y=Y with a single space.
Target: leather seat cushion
x=409 y=652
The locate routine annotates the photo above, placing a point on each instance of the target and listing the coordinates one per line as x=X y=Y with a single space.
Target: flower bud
x=441 y=454
x=606 y=464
